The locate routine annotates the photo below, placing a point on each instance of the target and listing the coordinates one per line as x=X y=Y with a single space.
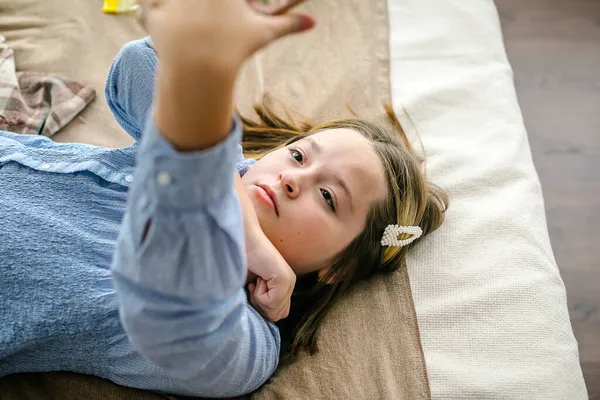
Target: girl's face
x=313 y=196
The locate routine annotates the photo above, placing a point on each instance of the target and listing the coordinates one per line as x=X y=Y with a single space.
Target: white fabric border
x=490 y=301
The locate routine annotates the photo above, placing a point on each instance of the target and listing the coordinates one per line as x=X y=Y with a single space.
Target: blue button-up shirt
x=83 y=289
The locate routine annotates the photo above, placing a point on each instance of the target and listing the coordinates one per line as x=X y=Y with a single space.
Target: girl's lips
x=268 y=196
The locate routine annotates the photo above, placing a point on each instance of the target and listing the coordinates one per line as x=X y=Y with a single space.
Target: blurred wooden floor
x=554 y=48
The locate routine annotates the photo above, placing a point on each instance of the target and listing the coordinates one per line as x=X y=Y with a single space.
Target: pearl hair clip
x=390 y=235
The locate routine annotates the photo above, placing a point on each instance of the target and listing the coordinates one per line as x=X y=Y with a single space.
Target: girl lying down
x=170 y=276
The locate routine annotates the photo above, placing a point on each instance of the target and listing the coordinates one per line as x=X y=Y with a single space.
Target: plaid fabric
x=37 y=103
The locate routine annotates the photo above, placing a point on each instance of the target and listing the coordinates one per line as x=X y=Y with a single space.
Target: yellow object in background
x=119 y=6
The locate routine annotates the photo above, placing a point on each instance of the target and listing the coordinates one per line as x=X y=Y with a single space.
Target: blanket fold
x=37 y=103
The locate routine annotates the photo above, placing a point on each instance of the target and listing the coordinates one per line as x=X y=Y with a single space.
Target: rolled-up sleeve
x=179 y=271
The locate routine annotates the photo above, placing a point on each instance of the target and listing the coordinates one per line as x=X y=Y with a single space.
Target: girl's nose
x=289 y=184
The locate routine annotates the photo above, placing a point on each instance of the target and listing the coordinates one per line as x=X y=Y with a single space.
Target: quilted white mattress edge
x=490 y=301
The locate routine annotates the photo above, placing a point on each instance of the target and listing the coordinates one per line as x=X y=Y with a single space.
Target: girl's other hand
x=272 y=298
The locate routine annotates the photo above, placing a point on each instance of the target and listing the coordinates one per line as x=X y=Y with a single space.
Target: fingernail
x=305 y=22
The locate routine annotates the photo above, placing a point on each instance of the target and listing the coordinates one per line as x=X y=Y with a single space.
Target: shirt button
x=163 y=178
x=129 y=178
x=46 y=165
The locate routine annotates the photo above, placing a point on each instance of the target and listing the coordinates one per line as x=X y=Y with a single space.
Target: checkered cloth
x=37 y=103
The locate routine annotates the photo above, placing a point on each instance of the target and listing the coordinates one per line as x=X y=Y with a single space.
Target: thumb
x=287 y=24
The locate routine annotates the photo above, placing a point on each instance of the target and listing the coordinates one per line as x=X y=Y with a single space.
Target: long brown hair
x=411 y=201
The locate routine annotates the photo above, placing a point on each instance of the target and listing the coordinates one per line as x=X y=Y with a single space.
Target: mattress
x=489 y=298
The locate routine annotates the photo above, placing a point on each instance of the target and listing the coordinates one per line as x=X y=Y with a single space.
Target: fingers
x=274 y=7
x=253 y=298
x=288 y=24
x=267 y=301
x=263 y=288
x=259 y=298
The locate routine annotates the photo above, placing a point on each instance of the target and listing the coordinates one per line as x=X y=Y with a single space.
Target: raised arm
x=179 y=267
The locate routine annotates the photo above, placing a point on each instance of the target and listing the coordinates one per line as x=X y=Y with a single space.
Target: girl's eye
x=328 y=198
x=298 y=156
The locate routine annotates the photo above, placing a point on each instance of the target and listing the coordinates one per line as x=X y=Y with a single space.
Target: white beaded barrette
x=390 y=235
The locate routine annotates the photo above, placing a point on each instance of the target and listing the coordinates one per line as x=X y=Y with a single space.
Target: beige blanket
x=369 y=345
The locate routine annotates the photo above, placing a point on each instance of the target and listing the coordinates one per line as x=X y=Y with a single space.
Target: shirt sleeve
x=130 y=85
x=179 y=271
x=129 y=91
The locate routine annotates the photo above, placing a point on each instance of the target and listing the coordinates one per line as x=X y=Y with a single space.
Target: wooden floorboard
x=554 y=48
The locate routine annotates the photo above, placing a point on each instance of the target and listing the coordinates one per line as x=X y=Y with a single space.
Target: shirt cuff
x=187 y=180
